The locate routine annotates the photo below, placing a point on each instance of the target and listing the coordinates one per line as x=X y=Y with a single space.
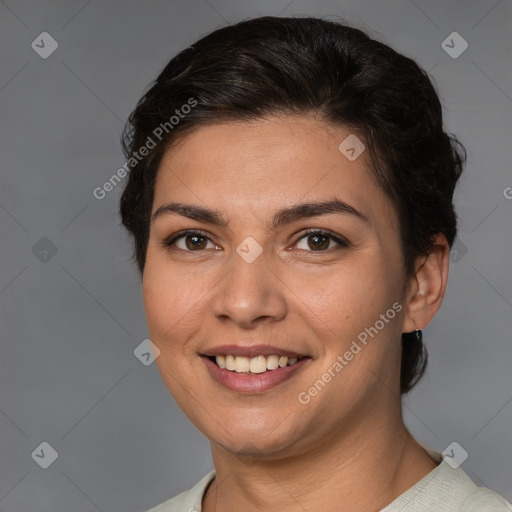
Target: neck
x=364 y=470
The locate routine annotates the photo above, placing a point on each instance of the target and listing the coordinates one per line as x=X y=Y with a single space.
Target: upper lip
x=250 y=351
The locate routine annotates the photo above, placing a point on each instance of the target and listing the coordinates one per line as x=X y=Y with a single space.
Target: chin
x=252 y=441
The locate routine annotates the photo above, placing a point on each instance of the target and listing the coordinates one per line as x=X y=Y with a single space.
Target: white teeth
x=258 y=364
x=230 y=363
x=272 y=362
x=241 y=364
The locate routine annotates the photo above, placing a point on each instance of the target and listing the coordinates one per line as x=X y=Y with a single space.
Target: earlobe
x=427 y=286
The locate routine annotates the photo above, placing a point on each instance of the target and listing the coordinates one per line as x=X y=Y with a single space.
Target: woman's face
x=248 y=276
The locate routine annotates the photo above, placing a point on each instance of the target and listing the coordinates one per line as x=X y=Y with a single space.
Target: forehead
x=267 y=164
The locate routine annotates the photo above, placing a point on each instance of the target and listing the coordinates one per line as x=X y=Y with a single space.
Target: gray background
x=70 y=321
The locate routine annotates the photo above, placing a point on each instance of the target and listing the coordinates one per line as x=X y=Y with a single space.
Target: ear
x=427 y=286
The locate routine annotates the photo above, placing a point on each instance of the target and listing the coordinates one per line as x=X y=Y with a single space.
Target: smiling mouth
x=254 y=365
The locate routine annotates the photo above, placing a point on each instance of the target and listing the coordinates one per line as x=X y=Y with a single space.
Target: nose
x=250 y=294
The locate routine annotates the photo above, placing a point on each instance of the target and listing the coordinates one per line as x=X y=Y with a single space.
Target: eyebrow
x=282 y=217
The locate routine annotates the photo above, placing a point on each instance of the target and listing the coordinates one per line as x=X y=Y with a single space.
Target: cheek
x=349 y=296
x=347 y=308
x=172 y=302
x=170 y=298
x=176 y=301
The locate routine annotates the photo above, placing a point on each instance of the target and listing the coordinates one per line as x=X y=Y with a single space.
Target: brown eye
x=195 y=242
x=320 y=241
x=191 y=242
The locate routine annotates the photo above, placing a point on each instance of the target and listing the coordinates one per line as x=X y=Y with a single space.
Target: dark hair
x=271 y=65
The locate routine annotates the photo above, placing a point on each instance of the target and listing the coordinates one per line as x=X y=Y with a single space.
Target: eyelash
x=342 y=243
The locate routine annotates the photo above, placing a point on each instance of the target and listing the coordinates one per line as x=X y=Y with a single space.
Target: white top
x=444 y=489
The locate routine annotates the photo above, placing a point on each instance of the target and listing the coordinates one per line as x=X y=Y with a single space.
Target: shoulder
x=188 y=501
x=448 y=489
x=485 y=500
x=471 y=497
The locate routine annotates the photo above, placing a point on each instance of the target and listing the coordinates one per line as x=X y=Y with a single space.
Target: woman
x=291 y=207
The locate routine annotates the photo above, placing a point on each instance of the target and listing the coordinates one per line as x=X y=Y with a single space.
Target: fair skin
x=347 y=448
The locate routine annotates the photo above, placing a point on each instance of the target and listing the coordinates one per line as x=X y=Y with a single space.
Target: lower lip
x=256 y=382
